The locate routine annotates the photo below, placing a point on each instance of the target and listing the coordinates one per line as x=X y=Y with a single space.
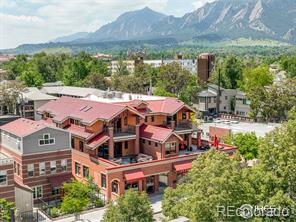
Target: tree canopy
x=133 y=206
x=5 y=207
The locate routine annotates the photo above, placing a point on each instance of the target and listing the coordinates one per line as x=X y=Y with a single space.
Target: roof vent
x=88 y=108
x=83 y=107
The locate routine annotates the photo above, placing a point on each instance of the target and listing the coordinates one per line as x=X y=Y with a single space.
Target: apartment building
x=36 y=157
x=242 y=104
x=144 y=145
x=207 y=104
x=205 y=66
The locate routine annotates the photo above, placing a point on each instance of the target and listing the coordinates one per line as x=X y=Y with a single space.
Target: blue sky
x=35 y=21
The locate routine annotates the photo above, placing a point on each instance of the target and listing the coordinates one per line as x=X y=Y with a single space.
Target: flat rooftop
x=260 y=129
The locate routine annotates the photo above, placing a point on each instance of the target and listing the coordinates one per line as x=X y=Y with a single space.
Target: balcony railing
x=184 y=124
x=6 y=161
x=130 y=130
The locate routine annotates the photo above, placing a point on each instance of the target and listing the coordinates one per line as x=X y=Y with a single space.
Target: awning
x=134 y=175
x=98 y=140
x=58 y=180
x=182 y=167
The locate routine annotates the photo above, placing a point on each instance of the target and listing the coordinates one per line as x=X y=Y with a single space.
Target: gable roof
x=167 y=105
x=23 y=127
x=157 y=133
x=85 y=110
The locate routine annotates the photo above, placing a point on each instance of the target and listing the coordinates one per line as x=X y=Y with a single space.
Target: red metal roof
x=98 y=140
x=85 y=110
x=157 y=133
x=182 y=167
x=58 y=180
x=23 y=127
x=166 y=105
x=78 y=131
x=134 y=175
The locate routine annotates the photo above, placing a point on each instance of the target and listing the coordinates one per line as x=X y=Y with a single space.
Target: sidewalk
x=97 y=215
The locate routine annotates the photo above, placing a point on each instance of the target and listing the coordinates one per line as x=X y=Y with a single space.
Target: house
x=35 y=159
x=140 y=144
x=207 y=104
x=242 y=104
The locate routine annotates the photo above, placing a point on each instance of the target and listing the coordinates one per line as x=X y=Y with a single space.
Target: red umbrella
x=216 y=142
x=182 y=145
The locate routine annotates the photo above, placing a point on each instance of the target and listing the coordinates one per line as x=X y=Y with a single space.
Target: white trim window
x=170 y=148
x=30 y=170
x=53 y=167
x=47 y=140
x=3 y=178
x=42 y=170
x=37 y=192
x=64 y=165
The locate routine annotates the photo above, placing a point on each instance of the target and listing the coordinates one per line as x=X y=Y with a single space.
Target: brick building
x=144 y=145
x=205 y=66
x=39 y=160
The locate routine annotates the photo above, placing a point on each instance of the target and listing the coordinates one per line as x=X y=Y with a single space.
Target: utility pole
x=219 y=92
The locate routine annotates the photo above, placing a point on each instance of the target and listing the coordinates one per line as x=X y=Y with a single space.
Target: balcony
x=140 y=158
x=5 y=160
x=121 y=134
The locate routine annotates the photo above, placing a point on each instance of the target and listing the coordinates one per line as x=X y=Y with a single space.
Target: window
x=114 y=186
x=85 y=172
x=184 y=116
x=143 y=141
x=30 y=170
x=55 y=191
x=72 y=143
x=156 y=144
x=152 y=118
x=37 y=192
x=149 y=143
x=53 y=167
x=72 y=121
x=224 y=107
x=81 y=146
x=42 y=171
x=146 y=119
x=170 y=148
x=103 y=180
x=210 y=99
x=77 y=168
x=18 y=169
x=126 y=144
x=47 y=140
x=3 y=178
x=137 y=120
x=64 y=165
x=14 y=166
x=125 y=121
x=226 y=97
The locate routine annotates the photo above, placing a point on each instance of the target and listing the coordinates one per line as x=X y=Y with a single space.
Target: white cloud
x=199 y=3
x=36 y=21
x=7 y=4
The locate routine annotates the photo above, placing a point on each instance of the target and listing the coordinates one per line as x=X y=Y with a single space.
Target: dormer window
x=47 y=140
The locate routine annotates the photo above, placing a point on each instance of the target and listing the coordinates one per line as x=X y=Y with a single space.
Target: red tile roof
x=85 y=110
x=98 y=140
x=166 y=105
x=157 y=133
x=23 y=127
x=78 y=131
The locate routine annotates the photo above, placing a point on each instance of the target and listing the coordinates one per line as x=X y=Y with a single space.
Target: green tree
x=133 y=206
x=247 y=144
x=231 y=71
x=216 y=180
x=79 y=196
x=31 y=78
x=289 y=65
x=173 y=78
x=5 y=207
x=254 y=84
x=10 y=93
